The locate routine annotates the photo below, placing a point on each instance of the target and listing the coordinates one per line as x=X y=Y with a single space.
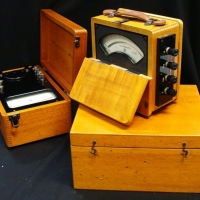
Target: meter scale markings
x=30 y=98
x=115 y=43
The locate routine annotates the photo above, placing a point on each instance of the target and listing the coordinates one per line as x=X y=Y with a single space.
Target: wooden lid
x=63 y=46
x=109 y=89
x=167 y=128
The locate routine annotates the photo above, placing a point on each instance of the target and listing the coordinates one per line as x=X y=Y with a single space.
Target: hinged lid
x=109 y=89
x=63 y=46
x=170 y=127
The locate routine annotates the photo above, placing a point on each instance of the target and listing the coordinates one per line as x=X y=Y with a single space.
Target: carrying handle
x=127 y=13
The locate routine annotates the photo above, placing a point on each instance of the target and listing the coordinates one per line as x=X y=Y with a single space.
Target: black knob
x=170 y=91
x=169 y=64
x=169 y=78
x=1 y=87
x=171 y=51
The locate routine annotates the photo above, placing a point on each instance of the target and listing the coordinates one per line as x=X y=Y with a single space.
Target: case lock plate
x=14 y=120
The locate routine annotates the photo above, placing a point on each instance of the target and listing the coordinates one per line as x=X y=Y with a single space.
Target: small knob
x=169 y=64
x=170 y=91
x=169 y=78
x=1 y=87
x=40 y=75
x=171 y=51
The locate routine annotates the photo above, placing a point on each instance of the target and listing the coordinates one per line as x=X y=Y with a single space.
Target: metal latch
x=150 y=21
x=93 y=150
x=184 y=151
x=77 y=41
x=14 y=120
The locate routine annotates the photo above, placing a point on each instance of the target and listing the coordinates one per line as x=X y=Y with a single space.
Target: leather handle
x=127 y=13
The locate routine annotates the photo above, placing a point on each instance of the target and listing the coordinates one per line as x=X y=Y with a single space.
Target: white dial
x=115 y=43
x=30 y=98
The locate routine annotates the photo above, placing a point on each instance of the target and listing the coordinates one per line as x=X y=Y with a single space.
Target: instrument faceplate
x=116 y=43
x=123 y=48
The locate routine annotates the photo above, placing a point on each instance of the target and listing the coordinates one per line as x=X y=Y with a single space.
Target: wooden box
x=141 y=48
x=160 y=153
x=34 y=99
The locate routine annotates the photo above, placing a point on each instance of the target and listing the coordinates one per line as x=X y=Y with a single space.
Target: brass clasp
x=184 y=152
x=14 y=120
x=93 y=150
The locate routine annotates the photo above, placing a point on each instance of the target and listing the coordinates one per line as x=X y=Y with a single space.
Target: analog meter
x=116 y=43
x=123 y=48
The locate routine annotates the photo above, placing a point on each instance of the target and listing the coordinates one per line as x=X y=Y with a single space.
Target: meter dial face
x=30 y=98
x=116 y=43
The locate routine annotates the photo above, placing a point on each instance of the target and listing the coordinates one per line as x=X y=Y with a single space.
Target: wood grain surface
x=109 y=89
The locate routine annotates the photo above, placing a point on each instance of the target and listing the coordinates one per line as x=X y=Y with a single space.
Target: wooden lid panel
x=168 y=127
x=109 y=89
x=59 y=53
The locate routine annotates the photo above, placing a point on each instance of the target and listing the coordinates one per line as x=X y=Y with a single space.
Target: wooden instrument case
x=160 y=153
x=145 y=39
x=63 y=47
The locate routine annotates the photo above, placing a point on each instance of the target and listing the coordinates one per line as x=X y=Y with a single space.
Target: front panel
x=122 y=48
x=135 y=169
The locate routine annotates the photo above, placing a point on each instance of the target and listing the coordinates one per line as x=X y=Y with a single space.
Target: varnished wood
x=38 y=122
x=61 y=60
x=172 y=26
x=59 y=54
x=145 y=156
x=136 y=169
x=165 y=127
x=109 y=90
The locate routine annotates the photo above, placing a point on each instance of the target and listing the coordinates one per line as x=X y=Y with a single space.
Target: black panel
x=119 y=58
x=165 y=53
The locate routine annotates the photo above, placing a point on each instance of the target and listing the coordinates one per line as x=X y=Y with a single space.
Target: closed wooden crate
x=160 y=153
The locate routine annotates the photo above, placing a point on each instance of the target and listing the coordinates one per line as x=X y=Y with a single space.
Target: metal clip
x=14 y=120
x=93 y=150
x=184 y=152
x=149 y=21
x=112 y=14
x=77 y=41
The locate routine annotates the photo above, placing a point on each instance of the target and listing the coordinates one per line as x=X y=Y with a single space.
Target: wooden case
x=63 y=47
x=160 y=153
x=147 y=42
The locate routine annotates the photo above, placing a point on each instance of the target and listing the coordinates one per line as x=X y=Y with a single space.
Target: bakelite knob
x=171 y=51
x=170 y=91
x=169 y=78
x=169 y=64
